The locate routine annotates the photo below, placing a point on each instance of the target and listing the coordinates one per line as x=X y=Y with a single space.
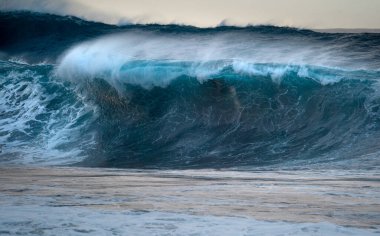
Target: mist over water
x=152 y=96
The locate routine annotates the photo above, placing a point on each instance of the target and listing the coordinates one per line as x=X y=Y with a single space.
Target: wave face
x=154 y=96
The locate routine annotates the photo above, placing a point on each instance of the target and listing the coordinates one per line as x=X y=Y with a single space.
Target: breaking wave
x=156 y=96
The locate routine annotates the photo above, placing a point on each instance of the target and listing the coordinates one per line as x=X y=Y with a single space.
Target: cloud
x=298 y=13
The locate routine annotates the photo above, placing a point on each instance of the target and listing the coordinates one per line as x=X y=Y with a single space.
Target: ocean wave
x=232 y=119
x=158 y=96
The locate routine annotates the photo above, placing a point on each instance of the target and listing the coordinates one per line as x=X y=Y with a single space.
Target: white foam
x=44 y=220
x=206 y=55
x=22 y=102
x=20 y=60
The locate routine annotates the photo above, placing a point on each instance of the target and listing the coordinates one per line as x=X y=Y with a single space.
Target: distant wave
x=169 y=96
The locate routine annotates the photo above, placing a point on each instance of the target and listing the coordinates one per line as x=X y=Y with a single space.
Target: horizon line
x=221 y=24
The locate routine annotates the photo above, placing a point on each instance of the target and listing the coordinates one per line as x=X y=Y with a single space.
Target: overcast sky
x=316 y=14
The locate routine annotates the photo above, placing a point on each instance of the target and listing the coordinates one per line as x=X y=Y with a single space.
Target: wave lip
x=154 y=59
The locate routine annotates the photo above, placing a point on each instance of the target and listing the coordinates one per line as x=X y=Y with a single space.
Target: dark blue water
x=169 y=96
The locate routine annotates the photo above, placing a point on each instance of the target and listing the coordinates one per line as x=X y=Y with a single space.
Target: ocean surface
x=82 y=93
x=105 y=201
x=256 y=130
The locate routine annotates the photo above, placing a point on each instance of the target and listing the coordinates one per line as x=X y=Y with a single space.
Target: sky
x=314 y=14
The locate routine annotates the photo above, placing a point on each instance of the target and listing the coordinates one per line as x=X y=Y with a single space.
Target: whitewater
x=235 y=112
